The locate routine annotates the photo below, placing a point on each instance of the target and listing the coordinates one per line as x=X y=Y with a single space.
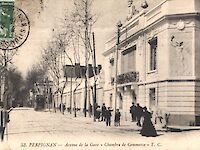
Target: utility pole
x=95 y=71
x=119 y=25
x=5 y=81
x=60 y=92
x=74 y=97
x=70 y=101
x=4 y=113
x=86 y=57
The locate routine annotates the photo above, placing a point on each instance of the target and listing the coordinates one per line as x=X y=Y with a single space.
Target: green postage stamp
x=6 y=19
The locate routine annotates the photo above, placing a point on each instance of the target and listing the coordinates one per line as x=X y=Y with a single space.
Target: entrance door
x=152 y=98
x=134 y=98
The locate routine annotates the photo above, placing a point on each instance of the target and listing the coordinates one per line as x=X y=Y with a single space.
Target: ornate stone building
x=158 y=60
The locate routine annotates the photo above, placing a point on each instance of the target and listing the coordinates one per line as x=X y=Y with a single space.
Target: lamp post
x=119 y=25
x=95 y=84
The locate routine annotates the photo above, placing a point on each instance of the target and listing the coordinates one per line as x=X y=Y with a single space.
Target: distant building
x=74 y=93
x=42 y=92
x=159 y=60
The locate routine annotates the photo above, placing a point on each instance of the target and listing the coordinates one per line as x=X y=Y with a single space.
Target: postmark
x=15 y=26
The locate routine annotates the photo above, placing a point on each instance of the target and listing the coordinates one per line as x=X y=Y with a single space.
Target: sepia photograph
x=99 y=74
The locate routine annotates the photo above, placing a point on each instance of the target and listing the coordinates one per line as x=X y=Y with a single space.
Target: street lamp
x=119 y=25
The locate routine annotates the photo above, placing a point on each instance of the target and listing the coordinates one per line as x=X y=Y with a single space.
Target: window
x=111 y=69
x=111 y=99
x=134 y=98
x=152 y=97
x=112 y=61
x=120 y=101
x=153 y=53
x=128 y=60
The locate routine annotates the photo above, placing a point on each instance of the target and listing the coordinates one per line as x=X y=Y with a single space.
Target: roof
x=78 y=71
x=129 y=20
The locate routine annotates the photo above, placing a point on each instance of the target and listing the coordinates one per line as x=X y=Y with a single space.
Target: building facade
x=74 y=93
x=158 y=61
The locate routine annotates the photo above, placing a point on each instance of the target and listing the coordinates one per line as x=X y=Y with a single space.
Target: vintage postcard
x=99 y=74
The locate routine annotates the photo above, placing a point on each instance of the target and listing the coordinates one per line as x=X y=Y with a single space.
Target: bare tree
x=72 y=35
x=54 y=56
x=6 y=58
x=51 y=61
x=67 y=41
x=85 y=19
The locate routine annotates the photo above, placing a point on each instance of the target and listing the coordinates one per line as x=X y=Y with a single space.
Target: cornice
x=146 y=29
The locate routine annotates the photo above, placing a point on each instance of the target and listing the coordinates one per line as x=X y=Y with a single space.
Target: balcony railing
x=128 y=77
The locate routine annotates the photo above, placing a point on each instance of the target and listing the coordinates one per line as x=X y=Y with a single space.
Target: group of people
x=105 y=113
x=62 y=108
x=137 y=112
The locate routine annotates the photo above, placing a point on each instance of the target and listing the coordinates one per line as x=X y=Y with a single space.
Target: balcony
x=128 y=77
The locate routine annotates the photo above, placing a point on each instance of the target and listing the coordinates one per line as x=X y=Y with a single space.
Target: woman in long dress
x=148 y=129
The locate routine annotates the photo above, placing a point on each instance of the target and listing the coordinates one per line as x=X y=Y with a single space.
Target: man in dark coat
x=139 y=113
x=108 y=116
x=103 y=111
x=60 y=107
x=90 y=110
x=117 y=117
x=133 y=112
x=64 y=108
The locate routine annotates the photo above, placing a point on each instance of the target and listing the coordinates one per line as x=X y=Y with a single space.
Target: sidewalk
x=182 y=128
x=127 y=125
x=124 y=125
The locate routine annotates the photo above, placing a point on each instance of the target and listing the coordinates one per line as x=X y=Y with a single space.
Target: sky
x=44 y=17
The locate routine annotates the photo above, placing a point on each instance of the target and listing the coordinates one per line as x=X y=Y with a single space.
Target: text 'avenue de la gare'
x=107 y=144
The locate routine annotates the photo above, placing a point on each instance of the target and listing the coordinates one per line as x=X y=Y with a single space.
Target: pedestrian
x=117 y=117
x=64 y=108
x=108 y=116
x=158 y=116
x=139 y=113
x=133 y=112
x=90 y=110
x=148 y=129
x=54 y=106
x=103 y=112
x=60 y=107
x=98 y=113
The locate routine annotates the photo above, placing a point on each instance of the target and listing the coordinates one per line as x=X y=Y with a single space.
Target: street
x=29 y=129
